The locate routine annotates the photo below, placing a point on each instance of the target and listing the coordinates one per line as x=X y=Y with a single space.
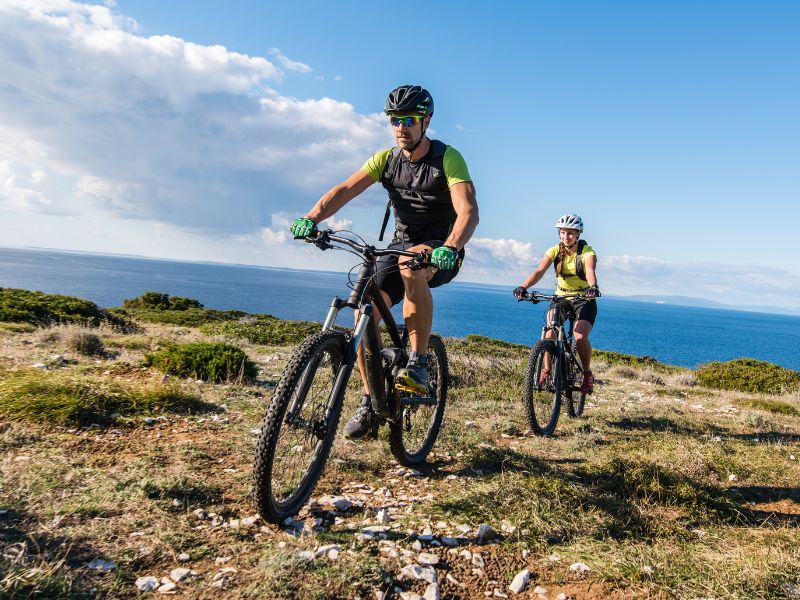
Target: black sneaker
x=361 y=423
x=414 y=378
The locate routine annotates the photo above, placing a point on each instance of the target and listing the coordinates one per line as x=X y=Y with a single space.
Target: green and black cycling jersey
x=419 y=191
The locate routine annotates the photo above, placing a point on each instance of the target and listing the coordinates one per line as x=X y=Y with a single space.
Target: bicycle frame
x=361 y=299
x=561 y=313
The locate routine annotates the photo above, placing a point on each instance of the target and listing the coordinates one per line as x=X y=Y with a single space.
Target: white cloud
x=289 y=64
x=158 y=128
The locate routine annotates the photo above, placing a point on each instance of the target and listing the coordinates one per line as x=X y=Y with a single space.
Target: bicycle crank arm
x=418 y=401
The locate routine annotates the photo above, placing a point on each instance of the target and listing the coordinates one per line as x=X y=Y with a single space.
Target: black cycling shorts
x=585 y=310
x=388 y=276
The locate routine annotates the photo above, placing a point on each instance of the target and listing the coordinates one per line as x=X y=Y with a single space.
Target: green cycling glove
x=302 y=227
x=444 y=257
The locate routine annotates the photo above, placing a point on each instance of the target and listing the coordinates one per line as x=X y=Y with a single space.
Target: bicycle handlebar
x=535 y=297
x=324 y=238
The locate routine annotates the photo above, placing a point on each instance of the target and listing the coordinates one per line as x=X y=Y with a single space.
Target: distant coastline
x=668 y=299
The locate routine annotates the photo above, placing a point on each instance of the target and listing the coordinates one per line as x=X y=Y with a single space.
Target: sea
x=677 y=335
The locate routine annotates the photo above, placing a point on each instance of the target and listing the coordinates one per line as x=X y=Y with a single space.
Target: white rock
x=520 y=581
x=485 y=533
x=561 y=596
x=464 y=528
x=526 y=553
x=410 y=596
x=465 y=554
x=147 y=584
x=167 y=587
x=383 y=517
x=453 y=580
x=102 y=565
x=324 y=550
x=149 y=420
x=732 y=477
x=432 y=592
x=417 y=572
x=179 y=573
x=554 y=558
x=470 y=425
x=579 y=567
x=184 y=557
x=647 y=570
x=426 y=558
x=540 y=590
x=342 y=504
x=499 y=594
x=305 y=555
x=221 y=560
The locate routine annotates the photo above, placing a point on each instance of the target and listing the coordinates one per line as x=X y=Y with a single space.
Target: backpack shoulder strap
x=579 y=270
x=388 y=173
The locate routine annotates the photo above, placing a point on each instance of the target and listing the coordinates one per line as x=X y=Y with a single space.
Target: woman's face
x=568 y=237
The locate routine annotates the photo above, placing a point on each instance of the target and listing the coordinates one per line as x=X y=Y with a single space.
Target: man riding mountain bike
x=435 y=210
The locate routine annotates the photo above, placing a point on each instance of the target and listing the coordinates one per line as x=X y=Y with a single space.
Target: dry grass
x=665 y=488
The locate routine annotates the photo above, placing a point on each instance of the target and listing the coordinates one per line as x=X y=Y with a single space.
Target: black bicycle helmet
x=411 y=99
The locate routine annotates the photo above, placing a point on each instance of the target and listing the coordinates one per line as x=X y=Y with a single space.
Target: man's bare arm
x=466 y=207
x=335 y=198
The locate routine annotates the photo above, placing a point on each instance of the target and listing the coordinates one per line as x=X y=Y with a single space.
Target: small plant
x=214 y=362
x=160 y=301
x=86 y=343
x=748 y=375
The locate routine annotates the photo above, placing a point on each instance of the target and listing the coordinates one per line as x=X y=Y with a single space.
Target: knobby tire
x=576 y=400
x=543 y=402
x=413 y=430
x=307 y=387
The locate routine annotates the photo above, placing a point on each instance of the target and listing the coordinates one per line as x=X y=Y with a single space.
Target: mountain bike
x=303 y=415
x=554 y=366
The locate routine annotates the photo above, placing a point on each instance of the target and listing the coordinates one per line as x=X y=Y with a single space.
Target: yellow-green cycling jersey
x=568 y=281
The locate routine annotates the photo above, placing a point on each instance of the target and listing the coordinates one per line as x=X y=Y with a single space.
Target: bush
x=86 y=343
x=38 y=308
x=160 y=301
x=628 y=360
x=67 y=399
x=215 y=362
x=156 y=307
x=774 y=406
x=264 y=329
x=748 y=375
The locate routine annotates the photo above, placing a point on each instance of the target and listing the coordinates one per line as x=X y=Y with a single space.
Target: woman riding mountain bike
x=575 y=262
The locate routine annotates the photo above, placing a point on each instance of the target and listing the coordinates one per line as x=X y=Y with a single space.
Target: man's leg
x=361 y=423
x=418 y=317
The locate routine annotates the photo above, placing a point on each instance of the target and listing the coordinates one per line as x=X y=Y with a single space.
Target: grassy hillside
x=113 y=471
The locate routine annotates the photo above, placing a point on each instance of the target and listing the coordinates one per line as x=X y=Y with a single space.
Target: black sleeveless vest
x=419 y=195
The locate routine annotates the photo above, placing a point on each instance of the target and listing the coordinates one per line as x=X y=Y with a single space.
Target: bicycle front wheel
x=300 y=426
x=414 y=429
x=543 y=387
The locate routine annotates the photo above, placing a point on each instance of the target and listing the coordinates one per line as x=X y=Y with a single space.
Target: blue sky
x=196 y=130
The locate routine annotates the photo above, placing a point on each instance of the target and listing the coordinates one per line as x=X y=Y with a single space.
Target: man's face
x=408 y=129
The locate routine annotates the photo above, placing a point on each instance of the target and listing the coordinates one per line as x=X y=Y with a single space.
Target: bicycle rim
x=542 y=393
x=299 y=427
x=413 y=432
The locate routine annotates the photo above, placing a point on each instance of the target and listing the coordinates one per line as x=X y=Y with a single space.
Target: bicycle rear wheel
x=576 y=400
x=414 y=430
x=300 y=426
x=543 y=387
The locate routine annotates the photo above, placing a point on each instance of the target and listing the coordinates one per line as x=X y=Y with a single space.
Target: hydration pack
x=579 y=270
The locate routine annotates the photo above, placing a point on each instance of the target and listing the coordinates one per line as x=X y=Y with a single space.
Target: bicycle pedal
x=402 y=387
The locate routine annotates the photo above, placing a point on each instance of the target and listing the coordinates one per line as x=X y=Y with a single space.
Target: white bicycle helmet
x=570 y=221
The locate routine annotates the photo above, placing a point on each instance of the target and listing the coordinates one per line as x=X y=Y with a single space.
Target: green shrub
x=86 y=343
x=38 y=308
x=160 y=301
x=156 y=307
x=66 y=399
x=264 y=329
x=628 y=360
x=748 y=375
x=215 y=362
x=774 y=406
